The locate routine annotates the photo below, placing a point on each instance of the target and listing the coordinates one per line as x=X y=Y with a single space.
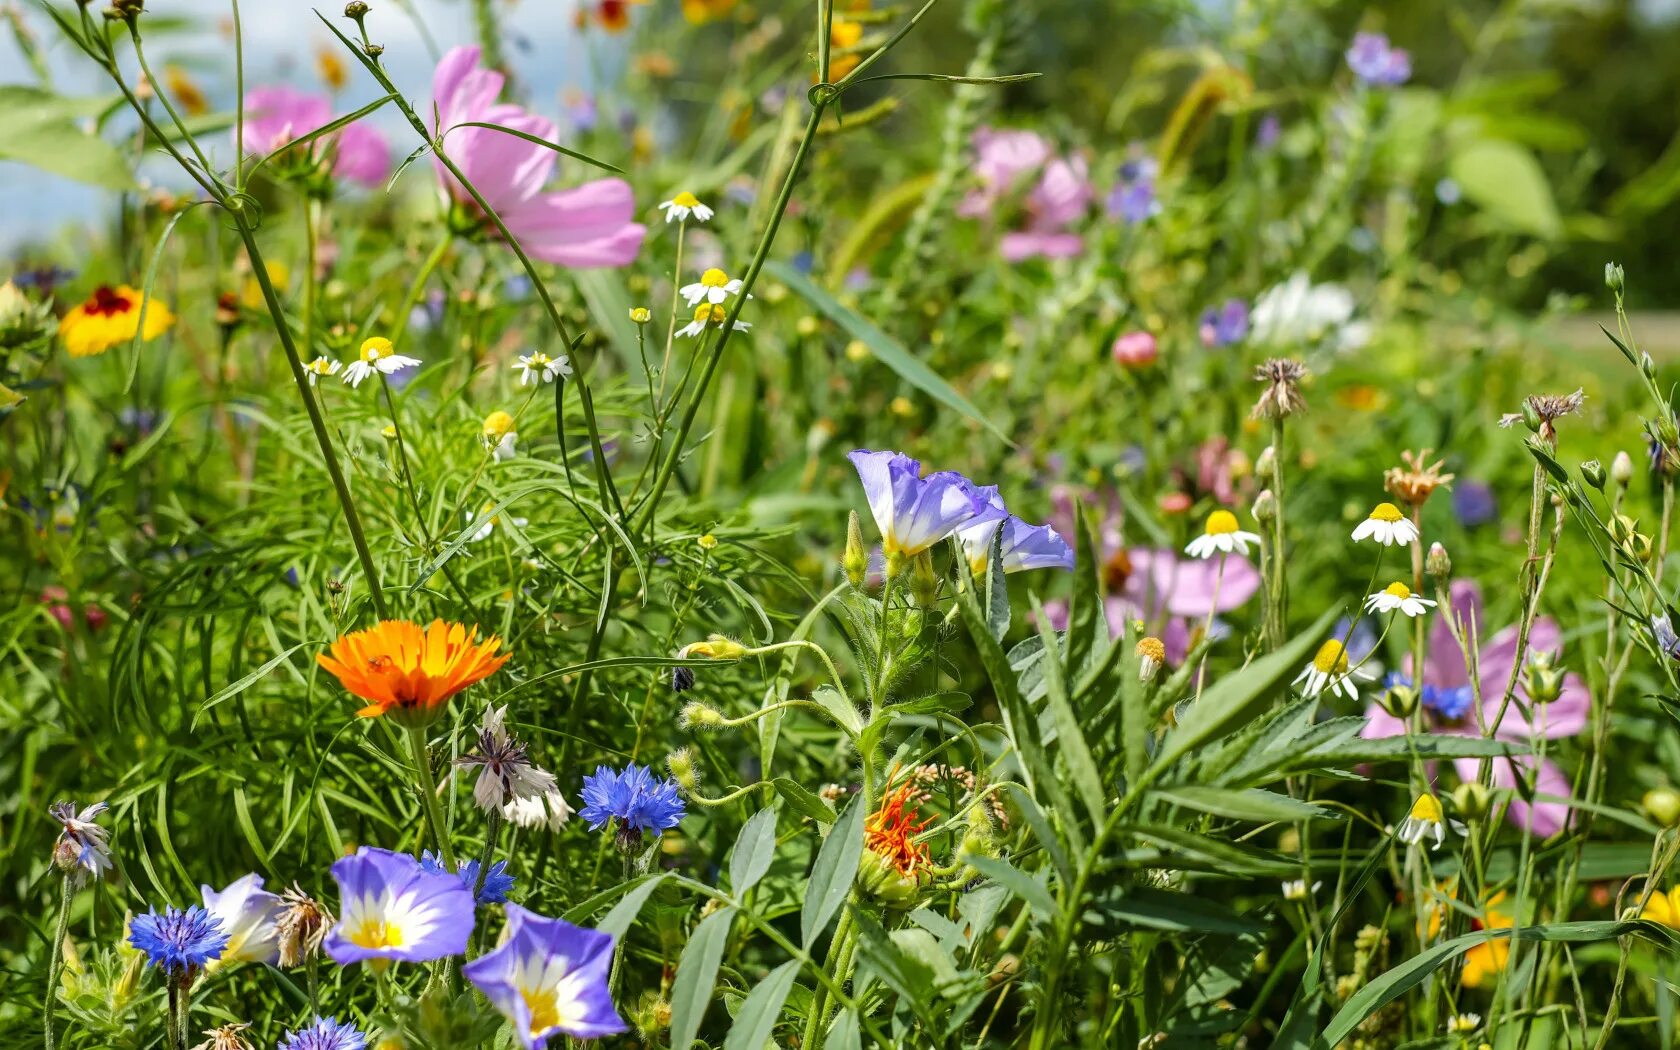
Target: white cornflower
x=1330 y=670
x=539 y=366
x=321 y=366
x=1220 y=536
x=550 y=809
x=499 y=436
x=83 y=849
x=377 y=356
x=714 y=287
x=1298 y=890
x=705 y=314
x=683 y=205
x=1425 y=821
x=488 y=522
x=507 y=772
x=1398 y=596
x=1387 y=526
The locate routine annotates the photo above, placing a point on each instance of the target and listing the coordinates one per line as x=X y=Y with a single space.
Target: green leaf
x=845 y=1033
x=39 y=136
x=1399 y=748
x=842 y=710
x=757 y=1017
x=1030 y=890
x=1164 y=910
x=884 y=347
x=1233 y=696
x=1070 y=735
x=691 y=990
x=234 y=689
x=1303 y=1006
x=832 y=875
x=1205 y=853
x=800 y=798
x=755 y=848
x=535 y=140
x=1243 y=804
x=1507 y=183
x=618 y=921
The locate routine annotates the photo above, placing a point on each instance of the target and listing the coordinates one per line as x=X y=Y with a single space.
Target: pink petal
x=1163 y=581
x=1379 y=723
x=362 y=155
x=1540 y=817
x=583 y=227
x=1024 y=245
x=275 y=115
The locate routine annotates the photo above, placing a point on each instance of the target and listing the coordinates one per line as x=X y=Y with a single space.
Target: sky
x=281 y=37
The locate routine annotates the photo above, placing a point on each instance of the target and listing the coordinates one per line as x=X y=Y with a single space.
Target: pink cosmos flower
x=1448 y=701
x=586 y=226
x=276 y=115
x=1059 y=198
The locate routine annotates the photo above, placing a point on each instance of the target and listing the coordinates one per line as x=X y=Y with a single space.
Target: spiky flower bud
x=1593 y=473
x=856 y=559
x=680 y=764
x=696 y=715
x=1615 y=278
x=924 y=582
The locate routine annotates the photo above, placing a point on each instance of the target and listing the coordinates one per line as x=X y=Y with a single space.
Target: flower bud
x=1542 y=678
x=880 y=879
x=1472 y=800
x=355 y=9
x=924 y=583
x=1152 y=654
x=1531 y=415
x=682 y=679
x=856 y=558
x=680 y=764
x=1663 y=804
x=1614 y=277
x=1400 y=700
x=1623 y=528
x=1265 y=468
x=696 y=715
x=1593 y=472
x=641 y=314
x=807 y=325
x=717 y=647
x=857 y=350
x=1621 y=469
x=1265 y=506
x=1136 y=350
x=1436 y=563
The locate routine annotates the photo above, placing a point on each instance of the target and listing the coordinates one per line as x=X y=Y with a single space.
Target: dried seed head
x=1541 y=411
x=1282 y=396
x=1417 y=479
x=302 y=925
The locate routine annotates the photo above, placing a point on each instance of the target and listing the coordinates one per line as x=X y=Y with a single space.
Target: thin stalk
x=55 y=957
x=417 y=287
x=428 y=794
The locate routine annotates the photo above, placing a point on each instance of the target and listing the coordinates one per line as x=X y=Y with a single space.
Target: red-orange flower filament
x=892 y=829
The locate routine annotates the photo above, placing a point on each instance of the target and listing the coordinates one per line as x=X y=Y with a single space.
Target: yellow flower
x=329 y=64
x=1663 y=908
x=252 y=294
x=186 y=92
x=110 y=317
x=699 y=12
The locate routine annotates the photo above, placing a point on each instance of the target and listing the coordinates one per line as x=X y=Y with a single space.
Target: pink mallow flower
x=586 y=226
x=1059 y=196
x=1448 y=701
x=276 y=115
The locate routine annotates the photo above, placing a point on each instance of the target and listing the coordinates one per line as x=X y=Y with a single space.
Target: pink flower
x=1448 y=701
x=1136 y=350
x=1060 y=197
x=55 y=598
x=276 y=115
x=586 y=226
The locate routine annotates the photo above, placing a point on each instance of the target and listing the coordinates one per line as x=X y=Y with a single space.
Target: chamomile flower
x=1426 y=821
x=541 y=368
x=499 y=436
x=1298 y=890
x=1329 y=670
x=321 y=366
x=1463 y=1024
x=1398 y=596
x=377 y=356
x=705 y=314
x=1220 y=536
x=684 y=204
x=1387 y=526
x=714 y=287
x=488 y=521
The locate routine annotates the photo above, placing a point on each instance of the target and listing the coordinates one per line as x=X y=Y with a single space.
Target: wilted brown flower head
x=1282 y=396
x=227 y=1037
x=302 y=926
x=1417 y=480
x=1542 y=410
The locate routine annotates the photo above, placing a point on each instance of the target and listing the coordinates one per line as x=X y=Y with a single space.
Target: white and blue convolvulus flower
x=549 y=978
x=913 y=512
x=250 y=917
x=1022 y=547
x=392 y=908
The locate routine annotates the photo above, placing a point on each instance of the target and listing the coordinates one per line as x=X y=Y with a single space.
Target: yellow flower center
x=375 y=348
x=1221 y=522
x=376 y=933
x=539 y=360
x=1427 y=808
x=714 y=278
x=719 y=314
x=1152 y=648
x=1331 y=658
x=321 y=366
x=497 y=424
x=544 y=1006
x=1387 y=512
x=1398 y=590
x=685 y=199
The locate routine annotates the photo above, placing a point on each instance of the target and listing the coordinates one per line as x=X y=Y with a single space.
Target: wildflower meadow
x=837 y=524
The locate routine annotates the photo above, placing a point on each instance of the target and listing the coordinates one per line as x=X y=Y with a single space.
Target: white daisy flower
x=1329 y=670
x=540 y=367
x=488 y=522
x=714 y=287
x=683 y=205
x=1426 y=821
x=499 y=436
x=1220 y=536
x=1398 y=596
x=1387 y=526
x=1298 y=890
x=705 y=314
x=321 y=366
x=1463 y=1024
x=377 y=356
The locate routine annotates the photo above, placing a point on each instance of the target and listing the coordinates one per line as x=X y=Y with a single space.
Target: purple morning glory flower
x=1225 y=325
x=1473 y=503
x=497 y=882
x=392 y=908
x=1377 y=63
x=178 y=942
x=325 y=1033
x=913 y=512
x=549 y=978
x=634 y=798
x=1023 y=547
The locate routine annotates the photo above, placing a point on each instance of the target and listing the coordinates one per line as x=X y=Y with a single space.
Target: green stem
x=428 y=795
x=55 y=957
x=812 y=1040
x=417 y=287
x=402 y=459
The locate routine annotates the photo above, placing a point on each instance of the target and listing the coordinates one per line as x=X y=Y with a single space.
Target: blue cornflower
x=1473 y=503
x=1377 y=62
x=497 y=882
x=1450 y=702
x=326 y=1033
x=178 y=942
x=1224 y=325
x=634 y=798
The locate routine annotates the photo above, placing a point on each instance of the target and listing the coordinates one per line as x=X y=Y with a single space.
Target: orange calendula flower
x=890 y=831
x=110 y=317
x=1488 y=959
x=409 y=672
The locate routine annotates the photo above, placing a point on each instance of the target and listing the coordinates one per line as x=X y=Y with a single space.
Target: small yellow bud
x=902 y=406
x=857 y=350
x=856 y=559
x=708 y=542
x=640 y=314
x=1663 y=804
x=717 y=647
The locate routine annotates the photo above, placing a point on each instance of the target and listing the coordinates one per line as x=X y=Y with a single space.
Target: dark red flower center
x=107 y=302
